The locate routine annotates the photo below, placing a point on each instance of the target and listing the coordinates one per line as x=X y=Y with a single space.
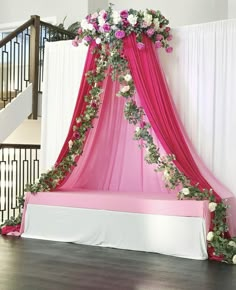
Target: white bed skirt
x=171 y=235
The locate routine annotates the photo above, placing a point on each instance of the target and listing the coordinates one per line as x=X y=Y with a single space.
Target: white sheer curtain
x=62 y=74
x=202 y=78
x=201 y=74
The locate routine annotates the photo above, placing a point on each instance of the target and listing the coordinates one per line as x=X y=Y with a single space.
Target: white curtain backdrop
x=201 y=74
x=63 y=70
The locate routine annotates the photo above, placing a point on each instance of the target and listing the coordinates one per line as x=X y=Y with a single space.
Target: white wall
x=181 y=12
x=231 y=8
x=20 y=10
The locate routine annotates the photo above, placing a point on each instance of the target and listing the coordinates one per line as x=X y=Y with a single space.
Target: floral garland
x=107 y=28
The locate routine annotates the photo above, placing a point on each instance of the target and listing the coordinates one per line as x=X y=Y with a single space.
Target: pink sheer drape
x=111 y=159
x=80 y=104
x=156 y=101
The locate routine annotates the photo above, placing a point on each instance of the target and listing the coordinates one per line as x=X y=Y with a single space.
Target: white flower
x=166 y=173
x=125 y=89
x=147 y=18
x=137 y=129
x=102 y=12
x=116 y=17
x=127 y=77
x=156 y=23
x=70 y=144
x=212 y=206
x=185 y=191
x=232 y=244
x=98 y=40
x=84 y=23
x=234 y=259
x=90 y=27
x=36 y=180
x=78 y=120
x=210 y=236
x=101 y=20
x=94 y=15
x=132 y=19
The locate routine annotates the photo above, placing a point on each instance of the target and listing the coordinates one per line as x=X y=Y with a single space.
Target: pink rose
x=75 y=43
x=119 y=34
x=159 y=37
x=170 y=37
x=158 y=44
x=140 y=45
x=80 y=30
x=169 y=49
x=88 y=38
x=124 y=14
x=106 y=27
x=150 y=32
x=167 y=29
x=76 y=135
x=95 y=25
x=142 y=124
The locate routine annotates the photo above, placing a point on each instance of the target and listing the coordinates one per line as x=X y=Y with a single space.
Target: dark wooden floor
x=27 y=264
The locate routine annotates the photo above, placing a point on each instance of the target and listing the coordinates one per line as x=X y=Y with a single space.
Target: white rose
x=166 y=173
x=94 y=15
x=84 y=23
x=101 y=20
x=36 y=180
x=147 y=18
x=98 y=40
x=137 y=129
x=234 y=259
x=127 y=77
x=116 y=17
x=156 y=23
x=232 y=244
x=212 y=206
x=90 y=27
x=185 y=191
x=132 y=19
x=125 y=89
x=210 y=236
x=70 y=144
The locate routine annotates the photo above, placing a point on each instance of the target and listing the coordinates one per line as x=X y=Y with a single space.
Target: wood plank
x=28 y=264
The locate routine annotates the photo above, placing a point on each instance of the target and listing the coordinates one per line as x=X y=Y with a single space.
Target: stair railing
x=22 y=59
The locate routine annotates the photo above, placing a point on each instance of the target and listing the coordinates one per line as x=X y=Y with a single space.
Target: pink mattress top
x=123 y=202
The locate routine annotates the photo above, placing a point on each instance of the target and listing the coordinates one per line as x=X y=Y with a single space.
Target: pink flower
x=167 y=29
x=169 y=49
x=75 y=43
x=140 y=45
x=95 y=25
x=150 y=32
x=159 y=37
x=106 y=27
x=94 y=105
x=119 y=34
x=170 y=37
x=76 y=135
x=80 y=30
x=124 y=14
x=158 y=44
x=88 y=38
x=142 y=124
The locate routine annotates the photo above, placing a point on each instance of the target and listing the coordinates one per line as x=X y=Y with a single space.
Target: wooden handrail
x=20 y=146
x=14 y=33
x=31 y=36
x=58 y=29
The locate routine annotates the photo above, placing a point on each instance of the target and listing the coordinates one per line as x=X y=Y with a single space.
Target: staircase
x=21 y=65
x=21 y=77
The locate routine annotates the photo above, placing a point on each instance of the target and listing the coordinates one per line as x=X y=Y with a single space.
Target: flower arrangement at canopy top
x=108 y=28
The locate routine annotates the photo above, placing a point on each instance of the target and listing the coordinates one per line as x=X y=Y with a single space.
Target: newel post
x=34 y=62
